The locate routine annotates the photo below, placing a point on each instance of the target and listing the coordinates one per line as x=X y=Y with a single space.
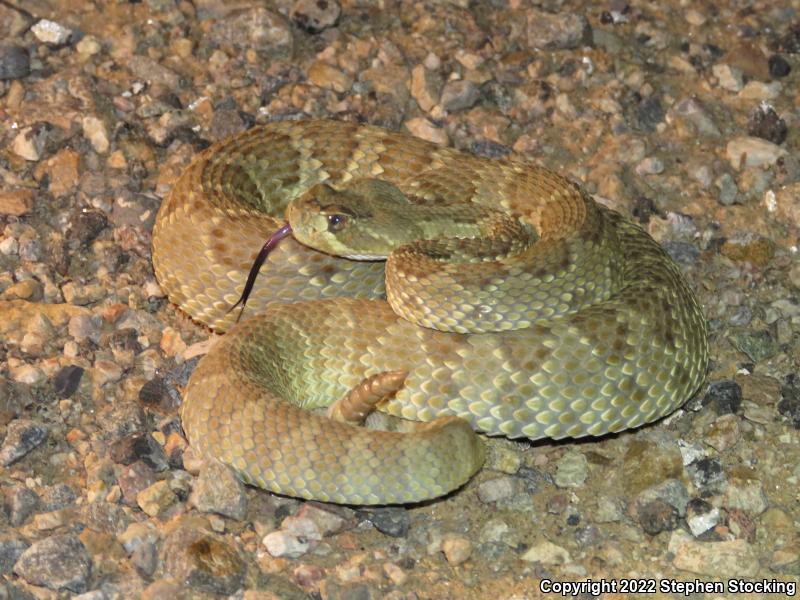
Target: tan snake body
x=589 y=330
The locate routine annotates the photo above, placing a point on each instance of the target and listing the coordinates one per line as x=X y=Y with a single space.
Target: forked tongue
x=268 y=247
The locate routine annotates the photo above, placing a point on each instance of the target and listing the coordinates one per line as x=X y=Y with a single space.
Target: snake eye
x=336 y=222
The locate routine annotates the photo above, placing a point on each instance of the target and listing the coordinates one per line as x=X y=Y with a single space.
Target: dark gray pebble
x=758 y=345
x=707 y=475
x=490 y=149
x=58 y=562
x=67 y=380
x=119 y=419
x=393 y=521
x=11 y=548
x=22 y=436
x=790 y=41
x=459 y=94
x=778 y=66
x=742 y=317
x=649 y=113
x=658 y=516
x=19 y=503
x=15 y=62
x=765 y=123
x=145 y=559
x=139 y=446
x=682 y=252
x=157 y=393
x=588 y=536
x=86 y=226
x=12 y=592
x=58 y=496
x=491 y=551
x=725 y=397
x=123 y=340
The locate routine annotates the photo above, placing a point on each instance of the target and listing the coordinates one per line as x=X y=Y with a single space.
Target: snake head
x=363 y=220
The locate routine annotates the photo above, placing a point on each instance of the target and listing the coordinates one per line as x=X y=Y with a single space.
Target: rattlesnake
x=567 y=320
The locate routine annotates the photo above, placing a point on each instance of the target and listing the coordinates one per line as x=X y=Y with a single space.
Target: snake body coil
x=589 y=330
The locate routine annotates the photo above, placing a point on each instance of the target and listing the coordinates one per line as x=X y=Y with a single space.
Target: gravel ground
x=681 y=114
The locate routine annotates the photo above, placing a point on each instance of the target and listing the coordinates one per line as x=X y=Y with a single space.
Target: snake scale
x=563 y=320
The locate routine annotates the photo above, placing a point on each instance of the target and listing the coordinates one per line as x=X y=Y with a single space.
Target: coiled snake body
x=563 y=320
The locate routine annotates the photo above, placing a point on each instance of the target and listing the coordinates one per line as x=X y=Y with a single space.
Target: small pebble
x=752 y=152
x=765 y=123
x=723 y=433
x=555 y=31
x=218 y=490
x=20 y=503
x=423 y=128
x=88 y=46
x=707 y=475
x=314 y=16
x=758 y=345
x=728 y=191
x=789 y=404
x=95 y=131
x=459 y=95
x=308 y=576
x=139 y=447
x=22 y=436
x=726 y=559
x=56 y=497
x=650 y=166
x=671 y=491
x=145 y=559
x=393 y=521
x=156 y=499
x=658 y=516
x=51 y=32
x=747 y=495
x=701 y=516
x=203 y=561
x=649 y=113
x=588 y=536
x=778 y=66
x=29 y=143
x=572 y=470
x=284 y=544
x=325 y=520
x=499 y=488
x=497 y=530
x=395 y=573
x=457 y=549
x=696 y=113
x=133 y=479
x=60 y=562
x=11 y=548
x=425 y=87
x=67 y=380
x=15 y=63
x=729 y=77
x=760 y=91
x=548 y=554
